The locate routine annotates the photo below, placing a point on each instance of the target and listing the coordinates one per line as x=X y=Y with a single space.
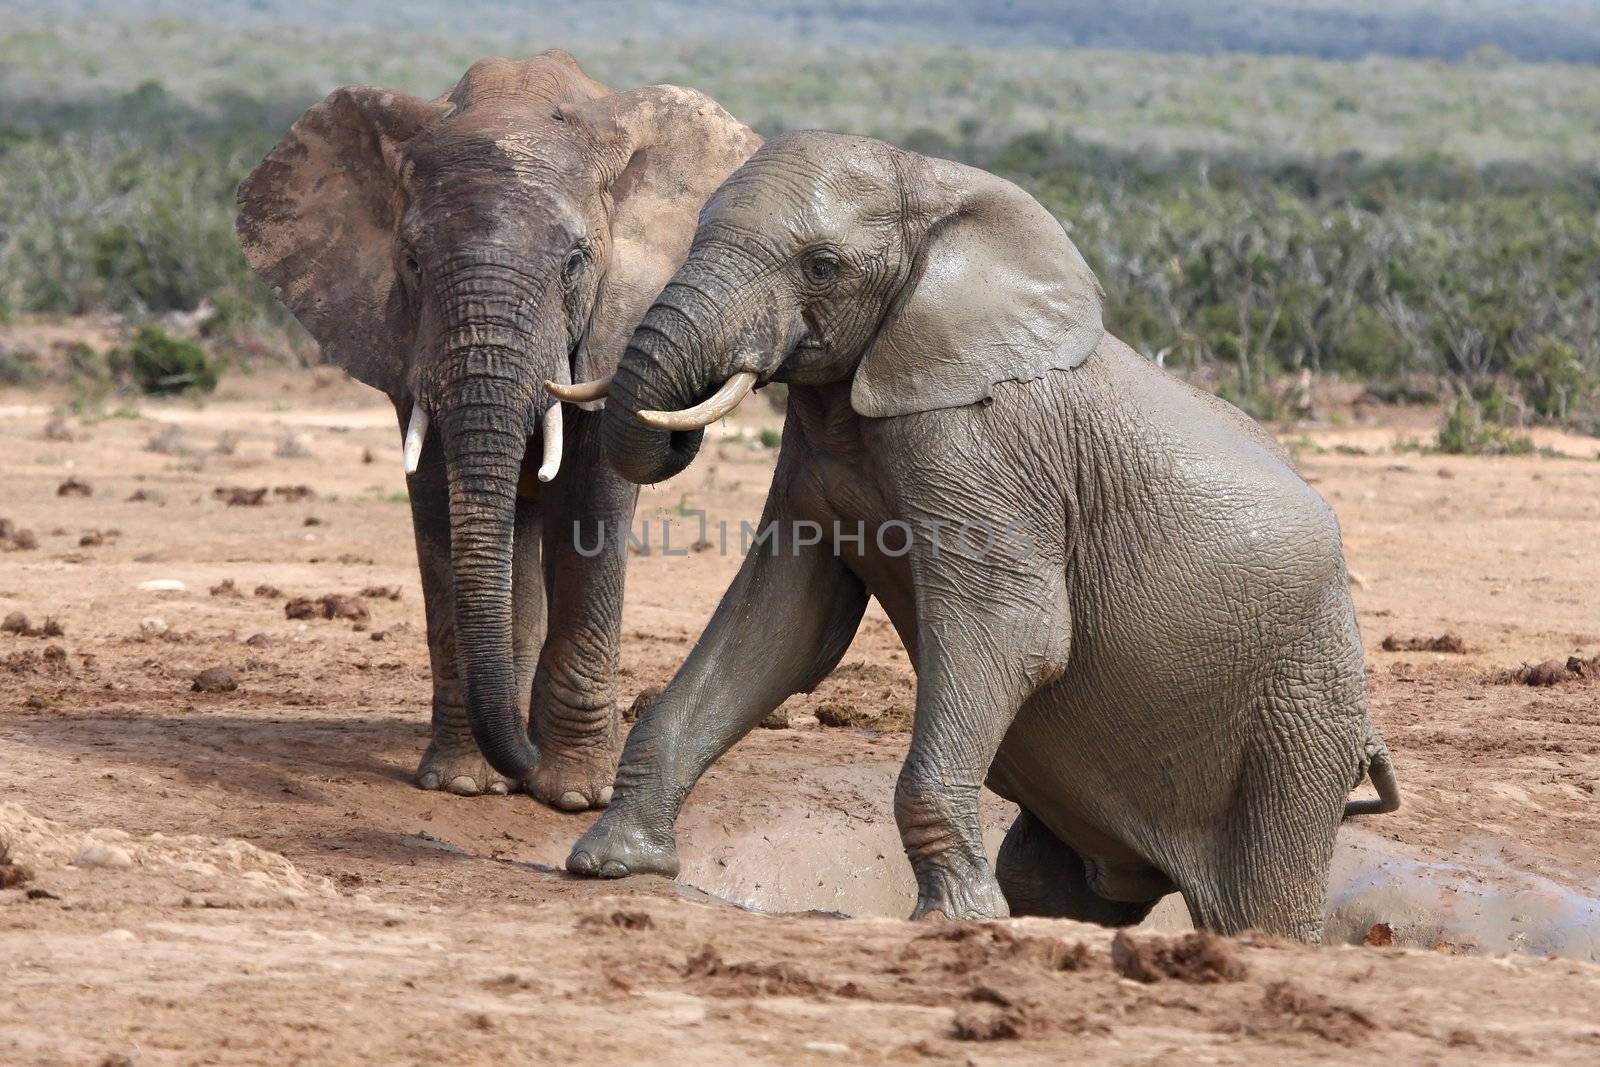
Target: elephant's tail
x=1381 y=770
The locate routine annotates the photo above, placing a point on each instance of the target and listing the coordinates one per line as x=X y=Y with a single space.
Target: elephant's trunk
x=671 y=364
x=485 y=408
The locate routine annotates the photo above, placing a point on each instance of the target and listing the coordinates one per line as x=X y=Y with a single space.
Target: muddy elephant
x=1127 y=612
x=455 y=253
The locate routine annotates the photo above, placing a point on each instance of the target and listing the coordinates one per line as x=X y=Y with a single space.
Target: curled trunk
x=651 y=377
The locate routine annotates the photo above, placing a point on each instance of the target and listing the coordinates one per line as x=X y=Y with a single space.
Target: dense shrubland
x=1393 y=221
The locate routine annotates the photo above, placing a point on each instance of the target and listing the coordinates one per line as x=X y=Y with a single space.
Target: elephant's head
x=456 y=253
x=826 y=258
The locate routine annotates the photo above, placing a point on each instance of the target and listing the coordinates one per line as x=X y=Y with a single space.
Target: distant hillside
x=1565 y=30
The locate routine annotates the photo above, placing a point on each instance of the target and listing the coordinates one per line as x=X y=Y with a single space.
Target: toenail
x=497 y=788
x=429 y=781
x=572 y=800
x=606 y=794
x=614 y=869
x=463 y=785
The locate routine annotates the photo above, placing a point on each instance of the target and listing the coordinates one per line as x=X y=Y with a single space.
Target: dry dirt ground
x=248 y=876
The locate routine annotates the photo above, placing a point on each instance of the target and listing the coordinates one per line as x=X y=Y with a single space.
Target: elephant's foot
x=574 y=782
x=618 y=846
x=964 y=891
x=459 y=769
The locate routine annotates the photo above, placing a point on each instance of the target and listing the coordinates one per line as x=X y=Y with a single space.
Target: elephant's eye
x=574 y=264
x=822 y=267
x=412 y=265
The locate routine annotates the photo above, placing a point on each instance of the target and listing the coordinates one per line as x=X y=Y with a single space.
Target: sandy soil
x=247 y=876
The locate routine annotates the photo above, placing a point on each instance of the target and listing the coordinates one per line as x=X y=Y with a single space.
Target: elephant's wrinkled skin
x=456 y=253
x=1157 y=658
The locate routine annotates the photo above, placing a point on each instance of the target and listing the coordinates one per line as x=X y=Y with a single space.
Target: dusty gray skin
x=456 y=253
x=1164 y=673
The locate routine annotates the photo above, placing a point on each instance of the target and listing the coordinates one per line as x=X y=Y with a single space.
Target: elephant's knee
x=934 y=815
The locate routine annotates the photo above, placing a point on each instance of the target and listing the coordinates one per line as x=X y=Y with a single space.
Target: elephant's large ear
x=666 y=150
x=997 y=292
x=318 y=219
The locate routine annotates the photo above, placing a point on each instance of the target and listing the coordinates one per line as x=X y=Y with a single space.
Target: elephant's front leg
x=781 y=628
x=452 y=761
x=992 y=626
x=575 y=721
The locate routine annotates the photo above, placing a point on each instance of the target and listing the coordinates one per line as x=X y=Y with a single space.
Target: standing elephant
x=455 y=253
x=1127 y=612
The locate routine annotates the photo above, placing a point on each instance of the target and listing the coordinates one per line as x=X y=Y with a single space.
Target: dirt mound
x=18 y=623
x=1287 y=1006
x=1446 y=642
x=967 y=948
x=327 y=606
x=748 y=978
x=211 y=871
x=1197 y=957
x=1551 y=672
x=239 y=497
x=641 y=703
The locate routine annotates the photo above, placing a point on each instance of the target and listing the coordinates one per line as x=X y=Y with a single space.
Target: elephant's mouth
x=810 y=350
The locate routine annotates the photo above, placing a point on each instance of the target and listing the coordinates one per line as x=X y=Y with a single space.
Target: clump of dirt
x=617 y=920
x=843 y=715
x=1445 y=642
x=146 y=496
x=268 y=592
x=380 y=592
x=867 y=695
x=777 y=719
x=18 y=623
x=74 y=487
x=12 y=873
x=1011 y=1022
x=641 y=703
x=239 y=497
x=750 y=978
x=96 y=538
x=327 y=606
x=289 y=494
x=12 y=538
x=226 y=588
x=1380 y=936
x=28 y=661
x=983 y=946
x=1288 y=1006
x=215 y=680
x=1551 y=672
x=1197 y=957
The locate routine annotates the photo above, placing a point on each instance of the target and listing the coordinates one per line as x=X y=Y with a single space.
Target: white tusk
x=707 y=411
x=579 y=392
x=552 y=443
x=416 y=430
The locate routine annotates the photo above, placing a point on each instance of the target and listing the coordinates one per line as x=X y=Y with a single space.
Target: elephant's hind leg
x=1042 y=875
x=1269 y=863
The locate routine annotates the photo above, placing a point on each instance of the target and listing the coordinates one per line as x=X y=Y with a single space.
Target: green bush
x=161 y=364
x=1552 y=378
x=1468 y=430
